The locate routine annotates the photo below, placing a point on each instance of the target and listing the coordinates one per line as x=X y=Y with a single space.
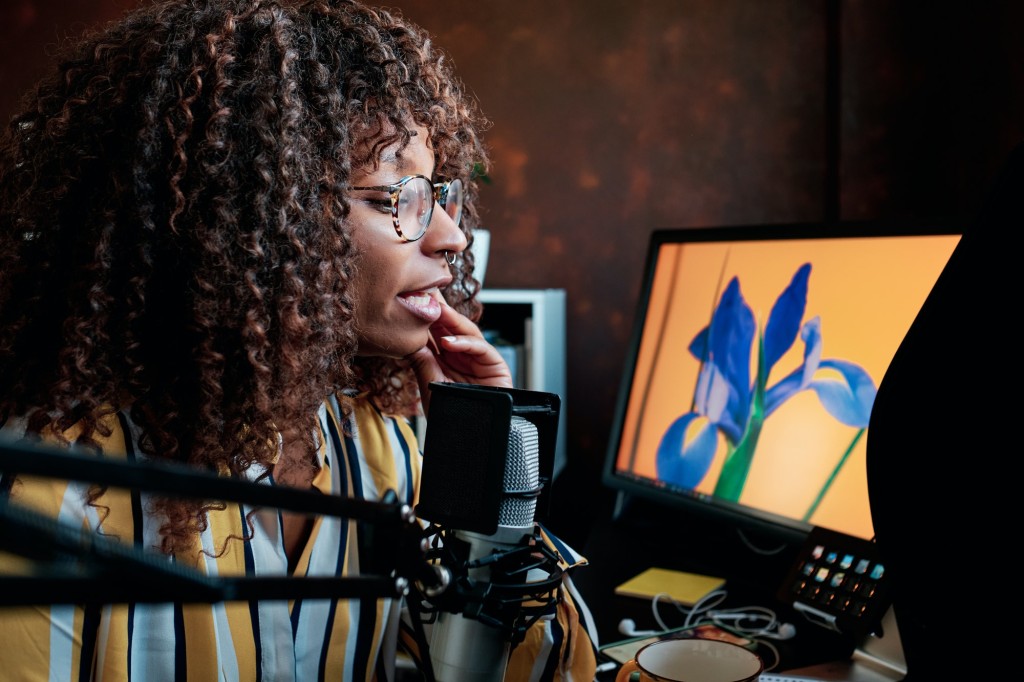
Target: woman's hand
x=458 y=353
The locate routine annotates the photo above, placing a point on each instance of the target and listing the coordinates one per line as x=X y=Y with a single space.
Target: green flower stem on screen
x=737 y=463
x=832 y=477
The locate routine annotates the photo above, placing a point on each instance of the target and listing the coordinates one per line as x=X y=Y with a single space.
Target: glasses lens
x=453 y=199
x=415 y=206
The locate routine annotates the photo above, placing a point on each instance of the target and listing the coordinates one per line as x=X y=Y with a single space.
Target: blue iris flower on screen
x=729 y=404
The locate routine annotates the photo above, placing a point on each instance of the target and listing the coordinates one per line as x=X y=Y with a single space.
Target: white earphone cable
x=757 y=622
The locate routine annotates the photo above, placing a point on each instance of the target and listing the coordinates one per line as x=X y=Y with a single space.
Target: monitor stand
x=876 y=659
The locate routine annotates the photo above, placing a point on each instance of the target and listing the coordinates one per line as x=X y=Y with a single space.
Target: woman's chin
x=403 y=348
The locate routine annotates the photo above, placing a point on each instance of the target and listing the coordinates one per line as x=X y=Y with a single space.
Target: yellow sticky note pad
x=685 y=588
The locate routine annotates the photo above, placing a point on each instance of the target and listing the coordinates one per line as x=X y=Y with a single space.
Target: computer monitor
x=754 y=361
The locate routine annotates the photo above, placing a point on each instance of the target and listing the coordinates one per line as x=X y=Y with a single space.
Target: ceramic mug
x=693 y=660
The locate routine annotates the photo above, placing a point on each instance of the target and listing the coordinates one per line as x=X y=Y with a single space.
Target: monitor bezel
x=765 y=524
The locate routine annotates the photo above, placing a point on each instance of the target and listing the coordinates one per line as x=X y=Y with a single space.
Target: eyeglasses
x=412 y=203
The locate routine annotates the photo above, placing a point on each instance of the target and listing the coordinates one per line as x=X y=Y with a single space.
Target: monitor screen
x=753 y=366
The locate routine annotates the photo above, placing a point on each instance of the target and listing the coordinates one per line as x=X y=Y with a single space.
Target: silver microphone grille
x=522 y=475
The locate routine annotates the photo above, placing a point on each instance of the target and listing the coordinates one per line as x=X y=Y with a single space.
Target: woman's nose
x=443 y=234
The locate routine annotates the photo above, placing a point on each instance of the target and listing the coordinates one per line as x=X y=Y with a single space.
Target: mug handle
x=628 y=668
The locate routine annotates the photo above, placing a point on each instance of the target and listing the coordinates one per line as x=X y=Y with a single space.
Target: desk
x=618 y=550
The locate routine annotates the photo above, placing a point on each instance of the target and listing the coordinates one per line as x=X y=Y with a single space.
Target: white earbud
x=627 y=626
x=785 y=631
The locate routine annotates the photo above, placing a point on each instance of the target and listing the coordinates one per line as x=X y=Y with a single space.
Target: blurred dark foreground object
x=942 y=452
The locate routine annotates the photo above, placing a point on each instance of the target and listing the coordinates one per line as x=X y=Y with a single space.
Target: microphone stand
x=91 y=569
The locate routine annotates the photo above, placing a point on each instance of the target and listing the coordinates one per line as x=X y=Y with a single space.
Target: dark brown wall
x=611 y=119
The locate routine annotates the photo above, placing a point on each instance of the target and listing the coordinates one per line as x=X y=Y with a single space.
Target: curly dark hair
x=172 y=223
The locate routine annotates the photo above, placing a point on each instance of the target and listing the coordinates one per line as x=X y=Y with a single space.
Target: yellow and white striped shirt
x=271 y=640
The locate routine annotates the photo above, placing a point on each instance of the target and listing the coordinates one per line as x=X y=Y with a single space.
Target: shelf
x=533 y=322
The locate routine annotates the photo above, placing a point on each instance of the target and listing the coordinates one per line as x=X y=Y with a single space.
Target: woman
x=233 y=235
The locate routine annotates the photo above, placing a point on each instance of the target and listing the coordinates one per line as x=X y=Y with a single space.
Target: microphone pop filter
x=486 y=456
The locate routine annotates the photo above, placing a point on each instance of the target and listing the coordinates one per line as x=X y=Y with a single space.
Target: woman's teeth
x=419 y=300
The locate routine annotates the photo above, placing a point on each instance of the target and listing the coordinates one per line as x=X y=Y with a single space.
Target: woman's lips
x=421 y=304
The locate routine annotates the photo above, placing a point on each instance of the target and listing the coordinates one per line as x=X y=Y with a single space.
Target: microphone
x=481 y=483
x=462 y=648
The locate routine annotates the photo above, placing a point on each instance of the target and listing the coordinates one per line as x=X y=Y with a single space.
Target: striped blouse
x=273 y=640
